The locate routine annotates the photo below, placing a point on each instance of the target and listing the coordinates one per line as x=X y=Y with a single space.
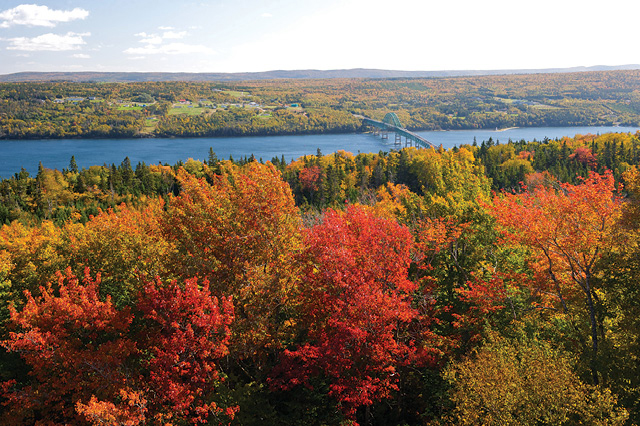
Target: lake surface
x=55 y=154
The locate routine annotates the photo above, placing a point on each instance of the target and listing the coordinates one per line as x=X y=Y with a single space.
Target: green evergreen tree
x=73 y=166
x=213 y=158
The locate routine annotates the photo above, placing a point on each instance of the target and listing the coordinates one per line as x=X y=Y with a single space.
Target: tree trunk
x=594 y=330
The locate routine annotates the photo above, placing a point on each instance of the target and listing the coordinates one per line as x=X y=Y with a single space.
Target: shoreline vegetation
x=57 y=110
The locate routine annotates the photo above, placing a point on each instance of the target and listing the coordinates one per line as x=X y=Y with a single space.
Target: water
x=55 y=154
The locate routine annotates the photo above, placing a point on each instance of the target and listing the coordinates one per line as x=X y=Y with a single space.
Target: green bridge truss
x=391 y=123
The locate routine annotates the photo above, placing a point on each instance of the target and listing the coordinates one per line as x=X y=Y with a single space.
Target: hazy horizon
x=259 y=36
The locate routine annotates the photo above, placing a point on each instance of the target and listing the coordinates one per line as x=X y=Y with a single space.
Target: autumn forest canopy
x=488 y=284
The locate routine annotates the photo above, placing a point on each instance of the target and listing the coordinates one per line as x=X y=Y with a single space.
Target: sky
x=253 y=35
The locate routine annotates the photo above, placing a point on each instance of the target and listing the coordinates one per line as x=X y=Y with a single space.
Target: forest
x=275 y=107
x=491 y=284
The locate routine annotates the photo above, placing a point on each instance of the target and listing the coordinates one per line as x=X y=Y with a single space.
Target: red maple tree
x=354 y=306
x=89 y=364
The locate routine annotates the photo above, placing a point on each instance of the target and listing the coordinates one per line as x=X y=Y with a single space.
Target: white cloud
x=267 y=15
x=153 y=44
x=157 y=39
x=35 y=15
x=49 y=41
x=166 y=28
x=169 y=49
x=174 y=34
x=81 y=56
x=152 y=40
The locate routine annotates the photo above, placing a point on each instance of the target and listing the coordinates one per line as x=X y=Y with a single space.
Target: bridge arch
x=392 y=118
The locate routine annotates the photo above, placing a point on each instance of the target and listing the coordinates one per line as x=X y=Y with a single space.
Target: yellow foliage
x=124 y=246
x=513 y=166
x=452 y=181
x=34 y=254
x=526 y=382
x=397 y=202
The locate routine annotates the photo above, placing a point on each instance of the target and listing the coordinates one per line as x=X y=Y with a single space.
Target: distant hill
x=280 y=74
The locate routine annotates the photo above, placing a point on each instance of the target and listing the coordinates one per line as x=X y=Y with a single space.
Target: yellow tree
x=526 y=382
x=125 y=246
x=31 y=255
x=243 y=233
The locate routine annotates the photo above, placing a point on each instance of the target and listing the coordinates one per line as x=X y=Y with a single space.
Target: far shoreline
x=143 y=136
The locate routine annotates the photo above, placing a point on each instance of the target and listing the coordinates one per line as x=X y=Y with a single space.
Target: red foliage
x=75 y=345
x=584 y=155
x=89 y=364
x=487 y=296
x=537 y=179
x=525 y=155
x=186 y=332
x=310 y=178
x=355 y=300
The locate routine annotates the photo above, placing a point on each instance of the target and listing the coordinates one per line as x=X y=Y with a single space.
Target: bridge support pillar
x=384 y=135
x=398 y=140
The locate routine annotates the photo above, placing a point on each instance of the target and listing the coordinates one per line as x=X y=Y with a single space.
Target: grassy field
x=235 y=93
x=188 y=111
x=149 y=126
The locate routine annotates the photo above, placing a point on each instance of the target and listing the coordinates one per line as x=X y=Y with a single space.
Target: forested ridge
x=493 y=283
x=268 y=107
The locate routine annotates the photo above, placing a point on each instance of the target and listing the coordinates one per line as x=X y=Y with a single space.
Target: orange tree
x=567 y=228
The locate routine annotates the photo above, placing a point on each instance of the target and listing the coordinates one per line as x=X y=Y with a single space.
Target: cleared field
x=188 y=111
x=235 y=93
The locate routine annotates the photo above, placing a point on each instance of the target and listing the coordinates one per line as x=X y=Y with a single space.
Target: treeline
x=390 y=288
x=47 y=110
x=250 y=122
x=320 y=181
x=29 y=119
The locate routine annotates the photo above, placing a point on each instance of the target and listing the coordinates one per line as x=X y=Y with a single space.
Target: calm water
x=56 y=154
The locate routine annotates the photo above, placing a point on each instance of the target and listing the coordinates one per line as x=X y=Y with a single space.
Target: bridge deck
x=419 y=140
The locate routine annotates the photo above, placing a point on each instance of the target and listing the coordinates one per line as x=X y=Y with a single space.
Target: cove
x=55 y=154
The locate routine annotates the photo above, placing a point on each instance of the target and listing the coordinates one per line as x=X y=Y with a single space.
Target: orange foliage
x=242 y=232
x=568 y=230
x=84 y=355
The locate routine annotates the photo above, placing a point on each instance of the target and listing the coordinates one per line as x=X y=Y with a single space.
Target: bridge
x=391 y=123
